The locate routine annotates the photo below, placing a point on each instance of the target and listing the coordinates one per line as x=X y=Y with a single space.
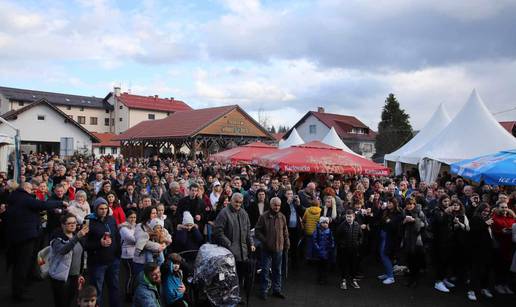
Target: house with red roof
x=106 y=146
x=130 y=110
x=314 y=126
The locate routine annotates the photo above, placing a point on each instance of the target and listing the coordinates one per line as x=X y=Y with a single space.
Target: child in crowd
x=173 y=286
x=87 y=297
x=157 y=235
x=349 y=237
x=323 y=247
x=310 y=218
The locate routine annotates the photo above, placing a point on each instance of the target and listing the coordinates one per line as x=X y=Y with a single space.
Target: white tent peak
x=439 y=120
x=333 y=139
x=473 y=132
x=292 y=140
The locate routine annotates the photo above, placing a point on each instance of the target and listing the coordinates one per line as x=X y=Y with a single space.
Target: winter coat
x=323 y=243
x=272 y=230
x=23 y=215
x=412 y=230
x=128 y=240
x=194 y=206
x=390 y=222
x=310 y=219
x=98 y=254
x=146 y=293
x=171 y=283
x=80 y=211
x=503 y=239
x=306 y=199
x=482 y=241
x=441 y=229
x=513 y=265
x=349 y=236
x=62 y=252
x=188 y=240
x=232 y=231
x=128 y=200
x=143 y=242
x=118 y=214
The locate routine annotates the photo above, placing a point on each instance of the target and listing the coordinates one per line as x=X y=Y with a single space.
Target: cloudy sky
x=280 y=56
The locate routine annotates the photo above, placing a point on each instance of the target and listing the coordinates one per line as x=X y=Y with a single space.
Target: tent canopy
x=333 y=139
x=473 y=132
x=244 y=153
x=498 y=168
x=439 y=120
x=316 y=157
x=293 y=140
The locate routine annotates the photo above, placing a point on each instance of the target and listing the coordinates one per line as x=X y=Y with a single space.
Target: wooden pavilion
x=198 y=130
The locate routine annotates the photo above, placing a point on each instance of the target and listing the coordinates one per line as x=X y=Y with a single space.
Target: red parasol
x=246 y=153
x=316 y=157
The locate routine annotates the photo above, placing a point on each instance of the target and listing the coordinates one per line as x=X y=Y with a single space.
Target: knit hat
x=324 y=219
x=99 y=201
x=187 y=218
x=156 y=222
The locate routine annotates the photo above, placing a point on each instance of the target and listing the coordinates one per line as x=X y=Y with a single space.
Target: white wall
x=304 y=129
x=120 y=126
x=100 y=114
x=137 y=116
x=49 y=130
x=108 y=151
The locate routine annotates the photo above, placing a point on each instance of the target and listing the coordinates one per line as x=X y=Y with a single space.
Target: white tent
x=439 y=120
x=293 y=140
x=333 y=139
x=473 y=132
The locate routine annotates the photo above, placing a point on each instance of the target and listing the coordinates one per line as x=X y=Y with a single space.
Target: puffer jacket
x=349 y=236
x=146 y=294
x=143 y=242
x=171 y=284
x=128 y=241
x=62 y=251
x=310 y=219
x=323 y=242
x=233 y=231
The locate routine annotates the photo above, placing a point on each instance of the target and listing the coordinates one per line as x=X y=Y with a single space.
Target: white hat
x=216 y=183
x=156 y=222
x=324 y=219
x=187 y=218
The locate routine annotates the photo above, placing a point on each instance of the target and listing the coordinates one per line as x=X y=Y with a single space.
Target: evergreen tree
x=272 y=129
x=394 y=130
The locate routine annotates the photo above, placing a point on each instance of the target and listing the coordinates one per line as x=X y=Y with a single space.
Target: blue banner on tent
x=496 y=169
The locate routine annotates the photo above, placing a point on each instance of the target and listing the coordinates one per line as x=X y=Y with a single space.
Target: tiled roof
x=342 y=124
x=11 y=115
x=177 y=125
x=278 y=136
x=106 y=140
x=54 y=98
x=153 y=103
x=509 y=126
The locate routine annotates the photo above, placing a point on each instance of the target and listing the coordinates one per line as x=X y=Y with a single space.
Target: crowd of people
x=148 y=217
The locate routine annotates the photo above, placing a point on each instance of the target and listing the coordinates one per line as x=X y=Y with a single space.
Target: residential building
x=314 y=126
x=510 y=126
x=106 y=146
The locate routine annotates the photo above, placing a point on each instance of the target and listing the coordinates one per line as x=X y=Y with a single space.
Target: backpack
x=43 y=262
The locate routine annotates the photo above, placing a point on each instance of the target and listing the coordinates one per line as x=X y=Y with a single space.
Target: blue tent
x=496 y=169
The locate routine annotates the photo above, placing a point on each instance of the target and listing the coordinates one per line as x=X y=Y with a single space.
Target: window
x=367 y=148
x=68 y=107
x=121 y=107
x=120 y=119
x=107 y=111
x=358 y=131
x=81 y=119
x=93 y=120
x=102 y=150
x=114 y=150
x=20 y=103
x=313 y=129
x=151 y=116
x=106 y=121
x=41 y=117
x=82 y=108
x=112 y=122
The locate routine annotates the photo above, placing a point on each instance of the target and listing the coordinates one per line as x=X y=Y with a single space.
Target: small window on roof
x=20 y=103
x=151 y=116
x=82 y=108
x=121 y=107
x=68 y=107
x=313 y=129
x=41 y=117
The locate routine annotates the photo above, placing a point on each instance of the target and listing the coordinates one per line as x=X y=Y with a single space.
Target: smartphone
x=106 y=235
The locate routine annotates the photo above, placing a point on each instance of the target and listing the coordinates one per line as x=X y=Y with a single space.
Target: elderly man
x=271 y=229
x=232 y=231
x=171 y=197
x=307 y=196
x=23 y=227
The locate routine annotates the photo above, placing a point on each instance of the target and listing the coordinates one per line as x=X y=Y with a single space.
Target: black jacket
x=285 y=209
x=23 y=219
x=97 y=254
x=194 y=206
x=348 y=236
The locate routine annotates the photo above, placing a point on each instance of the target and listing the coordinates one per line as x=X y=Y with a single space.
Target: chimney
x=155 y=96
x=116 y=91
x=320 y=109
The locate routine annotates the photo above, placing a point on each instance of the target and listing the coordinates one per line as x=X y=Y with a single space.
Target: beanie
x=324 y=219
x=99 y=201
x=156 y=222
x=187 y=218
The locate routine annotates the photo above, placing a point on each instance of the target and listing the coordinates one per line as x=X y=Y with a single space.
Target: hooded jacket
x=146 y=293
x=63 y=251
x=311 y=218
x=98 y=254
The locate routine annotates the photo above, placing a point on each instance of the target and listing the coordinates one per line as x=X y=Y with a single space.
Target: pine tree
x=394 y=130
x=272 y=129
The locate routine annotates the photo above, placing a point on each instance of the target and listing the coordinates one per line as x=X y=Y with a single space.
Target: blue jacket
x=23 y=218
x=146 y=294
x=171 y=284
x=97 y=254
x=323 y=243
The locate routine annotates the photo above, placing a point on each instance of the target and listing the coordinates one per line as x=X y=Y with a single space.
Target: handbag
x=43 y=262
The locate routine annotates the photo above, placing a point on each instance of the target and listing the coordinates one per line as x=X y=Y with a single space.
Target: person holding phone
x=104 y=251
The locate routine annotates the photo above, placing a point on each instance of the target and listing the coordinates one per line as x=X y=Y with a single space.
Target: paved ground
x=302 y=290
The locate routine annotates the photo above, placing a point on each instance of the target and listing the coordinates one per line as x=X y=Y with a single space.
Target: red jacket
x=504 y=239
x=118 y=214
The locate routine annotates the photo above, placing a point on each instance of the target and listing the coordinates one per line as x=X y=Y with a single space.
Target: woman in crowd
x=115 y=208
x=503 y=219
x=413 y=223
x=80 y=206
x=459 y=240
x=258 y=207
x=65 y=263
x=442 y=231
x=390 y=227
x=128 y=245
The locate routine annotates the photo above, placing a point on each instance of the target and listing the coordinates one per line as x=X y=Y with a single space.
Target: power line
x=504 y=111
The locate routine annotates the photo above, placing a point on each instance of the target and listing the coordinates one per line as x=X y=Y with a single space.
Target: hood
x=127 y=225
x=314 y=210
